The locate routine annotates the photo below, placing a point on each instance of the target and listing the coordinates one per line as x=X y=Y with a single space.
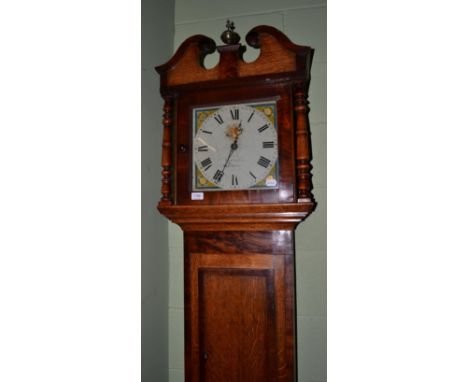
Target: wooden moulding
x=251 y=217
x=278 y=55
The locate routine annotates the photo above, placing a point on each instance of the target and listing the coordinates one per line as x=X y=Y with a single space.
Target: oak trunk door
x=237 y=309
x=237 y=324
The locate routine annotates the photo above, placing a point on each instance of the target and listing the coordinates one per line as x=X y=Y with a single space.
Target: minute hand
x=233 y=148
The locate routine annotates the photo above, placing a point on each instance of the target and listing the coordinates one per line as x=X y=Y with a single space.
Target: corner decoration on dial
x=235 y=147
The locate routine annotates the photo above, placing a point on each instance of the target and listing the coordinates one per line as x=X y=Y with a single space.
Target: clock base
x=239 y=290
x=239 y=306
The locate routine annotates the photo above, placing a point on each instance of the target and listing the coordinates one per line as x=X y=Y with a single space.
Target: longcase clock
x=236 y=179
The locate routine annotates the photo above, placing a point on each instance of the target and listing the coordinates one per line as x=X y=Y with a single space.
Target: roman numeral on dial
x=206 y=132
x=263 y=128
x=268 y=145
x=203 y=148
x=206 y=163
x=264 y=162
x=218 y=176
x=219 y=119
x=252 y=175
x=234 y=180
x=251 y=115
x=235 y=113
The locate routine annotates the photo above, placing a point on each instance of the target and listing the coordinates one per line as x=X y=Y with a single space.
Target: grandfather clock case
x=239 y=276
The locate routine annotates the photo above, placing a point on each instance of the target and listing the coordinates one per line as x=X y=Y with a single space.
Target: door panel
x=237 y=324
x=236 y=313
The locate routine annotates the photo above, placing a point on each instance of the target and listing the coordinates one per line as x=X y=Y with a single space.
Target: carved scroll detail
x=166 y=198
x=303 y=149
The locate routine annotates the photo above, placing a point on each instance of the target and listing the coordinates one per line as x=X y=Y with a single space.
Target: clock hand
x=233 y=148
x=240 y=130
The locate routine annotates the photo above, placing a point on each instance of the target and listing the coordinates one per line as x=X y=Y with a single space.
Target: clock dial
x=235 y=147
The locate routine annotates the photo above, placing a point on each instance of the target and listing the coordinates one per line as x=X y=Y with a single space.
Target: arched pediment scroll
x=278 y=55
x=188 y=62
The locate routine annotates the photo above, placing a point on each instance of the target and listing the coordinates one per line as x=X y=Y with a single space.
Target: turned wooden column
x=166 y=161
x=303 y=147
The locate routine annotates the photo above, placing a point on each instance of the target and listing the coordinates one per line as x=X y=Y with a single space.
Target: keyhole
x=205 y=355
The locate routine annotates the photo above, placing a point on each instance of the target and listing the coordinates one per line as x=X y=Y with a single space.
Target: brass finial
x=229 y=36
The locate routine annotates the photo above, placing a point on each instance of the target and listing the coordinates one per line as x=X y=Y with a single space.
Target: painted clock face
x=235 y=147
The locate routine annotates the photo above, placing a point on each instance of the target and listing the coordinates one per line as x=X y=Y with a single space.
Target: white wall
x=157 y=35
x=304 y=22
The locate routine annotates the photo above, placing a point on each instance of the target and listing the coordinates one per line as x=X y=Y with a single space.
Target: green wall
x=157 y=36
x=304 y=22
